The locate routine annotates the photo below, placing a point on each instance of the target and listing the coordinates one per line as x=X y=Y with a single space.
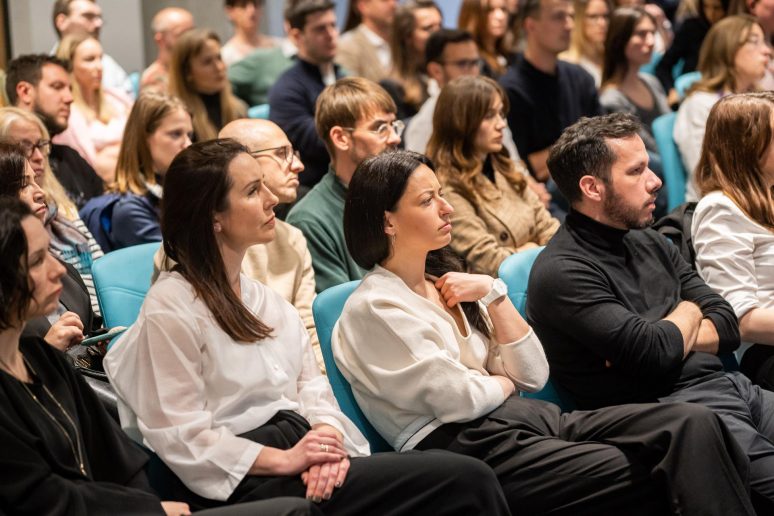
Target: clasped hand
x=321 y=459
x=460 y=287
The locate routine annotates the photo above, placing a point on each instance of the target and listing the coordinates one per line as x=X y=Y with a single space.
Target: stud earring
x=217 y=227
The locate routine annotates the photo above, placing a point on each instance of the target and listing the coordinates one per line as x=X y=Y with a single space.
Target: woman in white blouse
x=435 y=357
x=219 y=371
x=733 y=225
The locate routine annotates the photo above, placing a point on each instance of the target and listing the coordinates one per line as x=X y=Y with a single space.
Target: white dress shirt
x=194 y=389
x=410 y=367
x=734 y=255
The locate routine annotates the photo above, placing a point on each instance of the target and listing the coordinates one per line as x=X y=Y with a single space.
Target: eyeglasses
x=384 y=131
x=285 y=153
x=464 y=64
x=29 y=148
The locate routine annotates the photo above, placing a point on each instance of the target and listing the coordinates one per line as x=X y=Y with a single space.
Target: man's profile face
x=53 y=96
x=630 y=192
x=366 y=143
x=84 y=16
x=278 y=163
x=460 y=59
x=553 y=25
x=319 y=37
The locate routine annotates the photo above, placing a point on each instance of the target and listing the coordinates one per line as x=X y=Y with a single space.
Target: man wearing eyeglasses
x=356 y=119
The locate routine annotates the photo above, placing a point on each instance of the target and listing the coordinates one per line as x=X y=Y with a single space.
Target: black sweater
x=600 y=294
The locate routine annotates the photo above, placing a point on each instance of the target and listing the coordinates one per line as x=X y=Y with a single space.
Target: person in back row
x=434 y=357
x=219 y=370
x=167 y=25
x=40 y=84
x=356 y=119
x=623 y=318
x=364 y=48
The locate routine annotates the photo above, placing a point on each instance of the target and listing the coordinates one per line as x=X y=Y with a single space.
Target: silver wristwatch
x=499 y=289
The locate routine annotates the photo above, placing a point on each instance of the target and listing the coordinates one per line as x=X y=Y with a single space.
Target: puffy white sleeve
x=157 y=370
x=400 y=356
x=723 y=238
x=523 y=361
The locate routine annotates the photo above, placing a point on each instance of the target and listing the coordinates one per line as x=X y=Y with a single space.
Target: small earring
x=217 y=227
x=392 y=238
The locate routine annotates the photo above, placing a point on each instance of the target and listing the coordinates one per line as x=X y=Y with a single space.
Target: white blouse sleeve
x=723 y=240
x=405 y=361
x=161 y=379
x=523 y=361
x=318 y=404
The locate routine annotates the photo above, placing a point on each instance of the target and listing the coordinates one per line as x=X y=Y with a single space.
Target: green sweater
x=252 y=77
x=320 y=216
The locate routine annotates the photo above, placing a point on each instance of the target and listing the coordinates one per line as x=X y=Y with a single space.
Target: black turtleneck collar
x=595 y=233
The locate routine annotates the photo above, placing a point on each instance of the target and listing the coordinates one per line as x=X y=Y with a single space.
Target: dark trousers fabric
x=748 y=412
x=275 y=507
x=630 y=459
x=758 y=365
x=436 y=482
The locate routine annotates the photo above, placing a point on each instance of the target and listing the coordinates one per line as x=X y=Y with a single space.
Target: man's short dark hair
x=242 y=3
x=582 y=150
x=530 y=9
x=438 y=40
x=28 y=68
x=297 y=11
x=62 y=7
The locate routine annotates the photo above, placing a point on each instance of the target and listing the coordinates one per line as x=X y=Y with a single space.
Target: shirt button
x=503 y=236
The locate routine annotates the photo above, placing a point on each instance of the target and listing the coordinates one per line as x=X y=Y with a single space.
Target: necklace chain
x=76 y=446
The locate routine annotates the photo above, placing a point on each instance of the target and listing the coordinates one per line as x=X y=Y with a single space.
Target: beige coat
x=502 y=223
x=285 y=266
x=358 y=56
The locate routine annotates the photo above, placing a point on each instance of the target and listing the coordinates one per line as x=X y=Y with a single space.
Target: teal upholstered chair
x=685 y=81
x=514 y=271
x=672 y=165
x=327 y=308
x=260 y=111
x=122 y=278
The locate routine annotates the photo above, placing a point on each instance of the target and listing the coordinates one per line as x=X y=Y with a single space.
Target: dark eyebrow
x=252 y=183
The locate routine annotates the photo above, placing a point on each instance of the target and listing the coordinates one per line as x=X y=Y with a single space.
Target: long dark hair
x=12 y=165
x=376 y=187
x=623 y=21
x=195 y=189
x=15 y=290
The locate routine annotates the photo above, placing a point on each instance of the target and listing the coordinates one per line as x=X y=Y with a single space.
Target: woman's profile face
x=28 y=134
x=496 y=19
x=87 y=65
x=207 y=73
x=171 y=136
x=753 y=56
x=639 y=49
x=596 y=22
x=489 y=138
x=249 y=217
x=45 y=272
x=426 y=21
x=32 y=195
x=421 y=220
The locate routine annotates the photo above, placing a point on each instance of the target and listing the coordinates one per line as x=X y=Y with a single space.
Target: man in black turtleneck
x=621 y=316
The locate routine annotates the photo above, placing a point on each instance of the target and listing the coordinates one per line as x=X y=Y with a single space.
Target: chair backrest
x=259 y=111
x=514 y=271
x=685 y=81
x=327 y=308
x=122 y=278
x=674 y=170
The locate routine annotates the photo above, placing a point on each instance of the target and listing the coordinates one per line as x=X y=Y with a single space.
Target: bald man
x=167 y=26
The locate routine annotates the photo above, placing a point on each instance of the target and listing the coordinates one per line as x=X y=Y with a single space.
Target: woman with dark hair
x=487 y=21
x=495 y=213
x=408 y=83
x=733 y=225
x=687 y=43
x=628 y=46
x=434 y=357
x=62 y=453
x=221 y=376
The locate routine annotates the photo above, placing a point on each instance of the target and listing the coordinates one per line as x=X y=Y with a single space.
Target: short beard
x=52 y=126
x=625 y=215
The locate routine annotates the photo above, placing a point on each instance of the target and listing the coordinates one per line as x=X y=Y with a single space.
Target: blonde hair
x=66 y=51
x=55 y=192
x=580 y=46
x=347 y=101
x=718 y=52
x=189 y=45
x=737 y=139
x=462 y=106
x=134 y=169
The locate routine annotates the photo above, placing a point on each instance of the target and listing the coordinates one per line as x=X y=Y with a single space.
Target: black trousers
x=436 y=482
x=748 y=412
x=273 y=507
x=630 y=459
x=758 y=365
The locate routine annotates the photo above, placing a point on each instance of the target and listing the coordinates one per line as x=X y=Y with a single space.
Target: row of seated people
x=435 y=355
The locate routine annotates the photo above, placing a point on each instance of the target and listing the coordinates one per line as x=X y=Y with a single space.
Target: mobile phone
x=112 y=332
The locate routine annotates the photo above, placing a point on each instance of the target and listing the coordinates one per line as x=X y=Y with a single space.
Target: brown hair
x=737 y=139
x=66 y=51
x=716 y=57
x=190 y=44
x=61 y=7
x=474 y=15
x=623 y=22
x=579 y=45
x=16 y=293
x=462 y=106
x=347 y=101
x=407 y=65
x=134 y=168
x=196 y=187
